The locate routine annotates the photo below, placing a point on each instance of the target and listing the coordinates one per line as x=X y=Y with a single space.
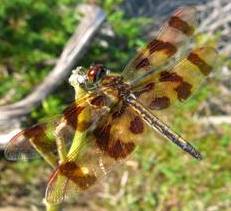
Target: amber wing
x=159 y=80
x=82 y=115
x=112 y=141
x=162 y=50
x=161 y=90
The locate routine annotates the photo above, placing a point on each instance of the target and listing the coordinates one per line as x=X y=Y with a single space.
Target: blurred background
x=33 y=35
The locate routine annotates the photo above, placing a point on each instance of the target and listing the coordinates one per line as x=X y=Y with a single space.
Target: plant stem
x=62 y=150
x=52 y=207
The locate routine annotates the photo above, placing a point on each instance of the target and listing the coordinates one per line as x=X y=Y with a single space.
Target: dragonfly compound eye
x=96 y=73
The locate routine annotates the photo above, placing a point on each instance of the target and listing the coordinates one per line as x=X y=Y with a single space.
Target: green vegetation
x=160 y=177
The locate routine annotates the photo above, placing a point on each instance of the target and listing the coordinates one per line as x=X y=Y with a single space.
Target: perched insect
x=114 y=115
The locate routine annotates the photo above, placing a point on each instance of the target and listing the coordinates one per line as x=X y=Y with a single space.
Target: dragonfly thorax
x=115 y=84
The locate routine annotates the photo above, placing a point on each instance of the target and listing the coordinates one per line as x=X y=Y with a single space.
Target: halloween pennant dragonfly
x=117 y=110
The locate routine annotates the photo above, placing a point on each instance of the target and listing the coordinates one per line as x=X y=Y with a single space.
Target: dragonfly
x=118 y=110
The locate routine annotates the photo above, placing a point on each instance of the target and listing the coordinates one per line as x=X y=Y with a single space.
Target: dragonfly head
x=89 y=78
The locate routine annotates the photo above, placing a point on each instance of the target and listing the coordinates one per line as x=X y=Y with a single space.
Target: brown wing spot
x=181 y=25
x=102 y=135
x=144 y=62
x=71 y=115
x=168 y=76
x=98 y=101
x=148 y=87
x=73 y=172
x=120 y=150
x=158 y=45
x=160 y=103
x=183 y=91
x=39 y=138
x=115 y=149
x=36 y=130
x=136 y=125
x=200 y=63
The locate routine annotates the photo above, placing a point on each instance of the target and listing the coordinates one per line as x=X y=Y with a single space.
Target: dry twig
x=215 y=120
x=73 y=51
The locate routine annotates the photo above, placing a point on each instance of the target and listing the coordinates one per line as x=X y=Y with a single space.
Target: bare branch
x=215 y=120
x=72 y=53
